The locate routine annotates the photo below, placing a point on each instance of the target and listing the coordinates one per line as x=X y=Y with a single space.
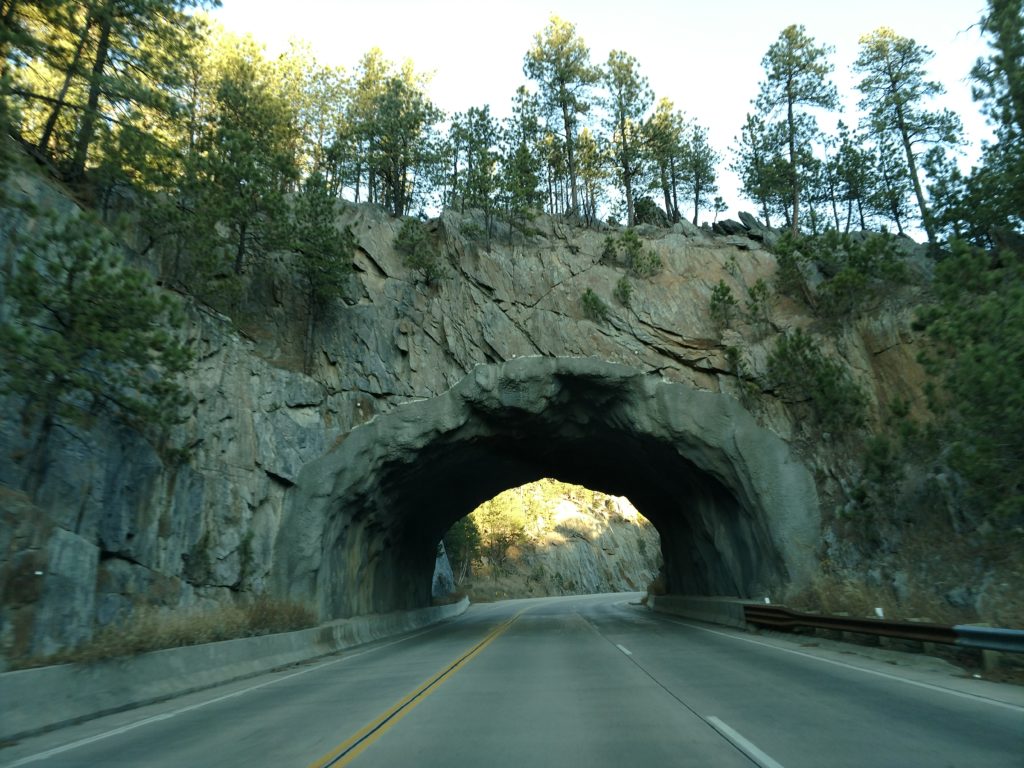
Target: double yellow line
x=348 y=750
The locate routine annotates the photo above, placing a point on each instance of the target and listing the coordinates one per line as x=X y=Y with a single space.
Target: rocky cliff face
x=571 y=547
x=114 y=523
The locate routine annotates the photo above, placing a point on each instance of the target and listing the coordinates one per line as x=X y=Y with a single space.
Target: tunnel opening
x=735 y=508
x=547 y=538
x=709 y=545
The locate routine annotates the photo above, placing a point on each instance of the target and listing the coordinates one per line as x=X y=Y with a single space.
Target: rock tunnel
x=736 y=509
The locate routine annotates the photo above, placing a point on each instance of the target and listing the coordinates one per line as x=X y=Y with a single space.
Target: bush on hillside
x=801 y=373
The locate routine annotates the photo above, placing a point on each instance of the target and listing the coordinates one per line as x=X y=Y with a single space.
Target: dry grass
x=832 y=594
x=951 y=575
x=150 y=629
x=485 y=588
x=449 y=599
x=1001 y=605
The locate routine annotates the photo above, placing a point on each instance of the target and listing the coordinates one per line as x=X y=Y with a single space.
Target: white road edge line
x=938 y=688
x=624 y=649
x=743 y=745
x=168 y=715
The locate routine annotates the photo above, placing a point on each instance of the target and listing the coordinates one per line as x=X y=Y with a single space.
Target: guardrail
x=968 y=635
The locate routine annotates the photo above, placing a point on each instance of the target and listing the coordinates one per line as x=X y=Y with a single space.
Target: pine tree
x=697 y=164
x=977 y=320
x=854 y=174
x=521 y=166
x=474 y=178
x=894 y=91
x=388 y=138
x=132 y=50
x=400 y=142
x=797 y=71
x=354 y=142
x=889 y=195
x=323 y=255
x=664 y=138
x=994 y=192
x=85 y=334
x=629 y=98
x=245 y=159
x=761 y=168
x=977 y=324
x=559 y=62
x=594 y=163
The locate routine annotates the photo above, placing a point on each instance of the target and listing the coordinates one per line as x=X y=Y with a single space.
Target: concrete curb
x=35 y=700
x=714 y=610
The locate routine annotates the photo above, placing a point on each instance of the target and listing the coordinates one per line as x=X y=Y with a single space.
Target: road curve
x=589 y=681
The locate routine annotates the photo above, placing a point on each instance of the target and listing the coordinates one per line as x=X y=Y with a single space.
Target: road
x=576 y=681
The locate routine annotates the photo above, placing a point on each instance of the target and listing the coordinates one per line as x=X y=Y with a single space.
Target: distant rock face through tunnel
x=736 y=509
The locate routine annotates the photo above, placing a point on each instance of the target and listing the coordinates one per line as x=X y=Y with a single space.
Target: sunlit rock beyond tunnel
x=548 y=538
x=736 y=509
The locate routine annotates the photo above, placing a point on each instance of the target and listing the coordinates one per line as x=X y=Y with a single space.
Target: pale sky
x=704 y=56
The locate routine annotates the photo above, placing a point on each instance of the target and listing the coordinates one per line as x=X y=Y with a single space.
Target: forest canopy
x=154 y=98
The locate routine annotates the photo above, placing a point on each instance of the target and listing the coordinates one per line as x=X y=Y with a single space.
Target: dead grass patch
x=836 y=595
x=151 y=629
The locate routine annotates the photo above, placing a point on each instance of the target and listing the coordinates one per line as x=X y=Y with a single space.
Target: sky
x=704 y=56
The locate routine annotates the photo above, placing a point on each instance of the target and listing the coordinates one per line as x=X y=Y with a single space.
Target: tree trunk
x=307 y=342
x=455 y=179
x=926 y=216
x=88 y=128
x=359 y=172
x=51 y=121
x=663 y=177
x=240 y=248
x=627 y=183
x=6 y=24
x=832 y=199
x=570 y=155
x=551 y=190
x=38 y=464
x=894 y=209
x=794 y=175
x=675 y=191
x=400 y=182
x=6 y=17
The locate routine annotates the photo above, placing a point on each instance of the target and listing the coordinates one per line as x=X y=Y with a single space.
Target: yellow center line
x=349 y=749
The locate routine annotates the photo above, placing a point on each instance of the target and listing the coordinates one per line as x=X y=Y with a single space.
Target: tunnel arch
x=736 y=509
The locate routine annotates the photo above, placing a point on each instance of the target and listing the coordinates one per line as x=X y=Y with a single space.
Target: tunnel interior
x=365 y=521
x=671 y=492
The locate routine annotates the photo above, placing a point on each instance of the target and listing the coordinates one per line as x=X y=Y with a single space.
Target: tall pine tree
x=796 y=79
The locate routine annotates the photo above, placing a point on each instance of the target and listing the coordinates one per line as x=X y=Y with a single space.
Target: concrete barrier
x=715 y=610
x=35 y=700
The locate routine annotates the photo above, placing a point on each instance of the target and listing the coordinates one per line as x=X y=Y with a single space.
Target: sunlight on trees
x=134 y=100
x=510 y=539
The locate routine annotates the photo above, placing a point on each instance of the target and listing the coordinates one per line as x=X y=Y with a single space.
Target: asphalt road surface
x=575 y=681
